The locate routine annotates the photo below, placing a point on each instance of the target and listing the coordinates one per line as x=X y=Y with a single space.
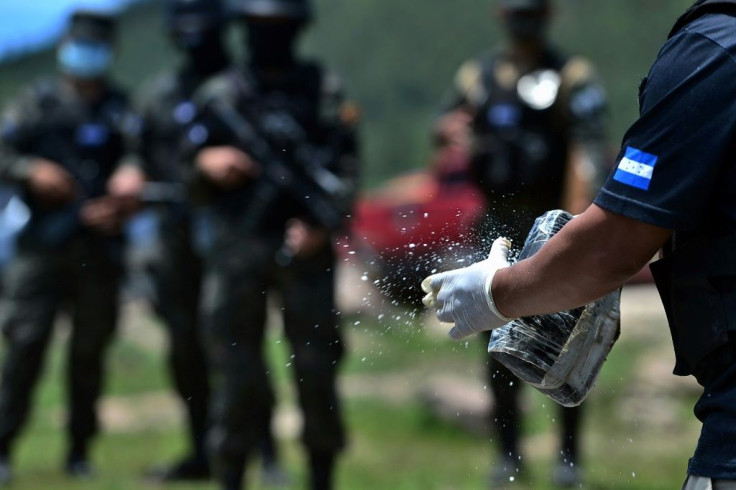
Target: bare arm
x=579 y=186
x=591 y=256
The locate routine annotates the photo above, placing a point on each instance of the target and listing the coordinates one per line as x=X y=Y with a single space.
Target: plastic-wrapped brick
x=559 y=354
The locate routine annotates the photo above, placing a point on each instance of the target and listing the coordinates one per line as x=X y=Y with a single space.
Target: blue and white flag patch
x=636 y=168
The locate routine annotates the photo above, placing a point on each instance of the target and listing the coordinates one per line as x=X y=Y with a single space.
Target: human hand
x=453 y=129
x=50 y=183
x=227 y=166
x=126 y=186
x=303 y=240
x=463 y=296
x=102 y=215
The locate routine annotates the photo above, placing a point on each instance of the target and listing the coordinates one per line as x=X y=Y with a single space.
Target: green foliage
x=399 y=57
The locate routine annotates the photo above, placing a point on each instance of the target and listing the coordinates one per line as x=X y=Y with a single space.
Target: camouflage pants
x=176 y=273
x=237 y=279
x=82 y=278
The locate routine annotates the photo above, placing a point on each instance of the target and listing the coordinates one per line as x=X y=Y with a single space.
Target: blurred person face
x=525 y=25
x=271 y=41
x=85 y=59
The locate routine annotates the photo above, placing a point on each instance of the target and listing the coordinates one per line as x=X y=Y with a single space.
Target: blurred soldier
x=196 y=29
x=532 y=121
x=63 y=142
x=278 y=169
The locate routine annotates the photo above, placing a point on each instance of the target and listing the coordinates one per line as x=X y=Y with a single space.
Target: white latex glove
x=463 y=296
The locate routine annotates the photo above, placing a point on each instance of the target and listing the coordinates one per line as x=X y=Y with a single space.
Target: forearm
x=580 y=180
x=591 y=256
x=563 y=275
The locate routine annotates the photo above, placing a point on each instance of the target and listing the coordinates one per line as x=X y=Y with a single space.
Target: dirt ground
x=652 y=390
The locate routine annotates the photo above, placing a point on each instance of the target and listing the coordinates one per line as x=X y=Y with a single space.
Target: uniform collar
x=700 y=8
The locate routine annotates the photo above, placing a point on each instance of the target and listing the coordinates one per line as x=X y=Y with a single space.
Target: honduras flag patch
x=636 y=168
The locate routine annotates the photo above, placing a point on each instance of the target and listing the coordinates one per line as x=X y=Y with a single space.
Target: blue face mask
x=84 y=59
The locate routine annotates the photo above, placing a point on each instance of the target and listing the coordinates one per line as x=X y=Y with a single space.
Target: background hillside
x=399 y=56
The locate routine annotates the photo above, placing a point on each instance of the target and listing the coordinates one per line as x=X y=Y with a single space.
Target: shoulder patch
x=217 y=88
x=161 y=85
x=469 y=82
x=636 y=168
x=331 y=84
x=350 y=113
x=577 y=71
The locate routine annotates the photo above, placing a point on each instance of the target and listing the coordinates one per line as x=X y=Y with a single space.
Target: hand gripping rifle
x=304 y=176
x=55 y=227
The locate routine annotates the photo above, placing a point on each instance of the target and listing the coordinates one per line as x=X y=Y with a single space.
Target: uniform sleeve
x=585 y=101
x=208 y=128
x=585 y=105
x=467 y=89
x=19 y=124
x=131 y=129
x=136 y=143
x=672 y=156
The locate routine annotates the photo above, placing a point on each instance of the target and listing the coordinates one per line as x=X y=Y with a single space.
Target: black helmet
x=194 y=15
x=91 y=25
x=300 y=10
x=524 y=4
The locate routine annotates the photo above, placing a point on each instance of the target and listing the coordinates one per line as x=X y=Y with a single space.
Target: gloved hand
x=463 y=296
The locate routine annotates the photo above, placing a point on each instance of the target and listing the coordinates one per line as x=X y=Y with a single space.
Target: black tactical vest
x=521 y=145
x=87 y=140
x=163 y=144
x=286 y=113
x=696 y=278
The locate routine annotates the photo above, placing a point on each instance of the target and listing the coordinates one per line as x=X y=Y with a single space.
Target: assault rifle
x=305 y=177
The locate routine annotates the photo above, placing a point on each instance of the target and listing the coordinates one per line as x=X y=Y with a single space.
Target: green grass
x=394 y=444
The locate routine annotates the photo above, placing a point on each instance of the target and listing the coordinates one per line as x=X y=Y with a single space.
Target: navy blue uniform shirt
x=677 y=170
x=676 y=161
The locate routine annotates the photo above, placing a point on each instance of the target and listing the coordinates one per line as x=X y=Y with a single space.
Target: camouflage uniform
x=60 y=264
x=520 y=159
x=244 y=262
x=523 y=135
x=174 y=267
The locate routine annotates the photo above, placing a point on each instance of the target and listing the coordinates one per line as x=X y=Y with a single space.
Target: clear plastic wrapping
x=559 y=354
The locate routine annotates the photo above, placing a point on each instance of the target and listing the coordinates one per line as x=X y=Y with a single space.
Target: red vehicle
x=417 y=223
